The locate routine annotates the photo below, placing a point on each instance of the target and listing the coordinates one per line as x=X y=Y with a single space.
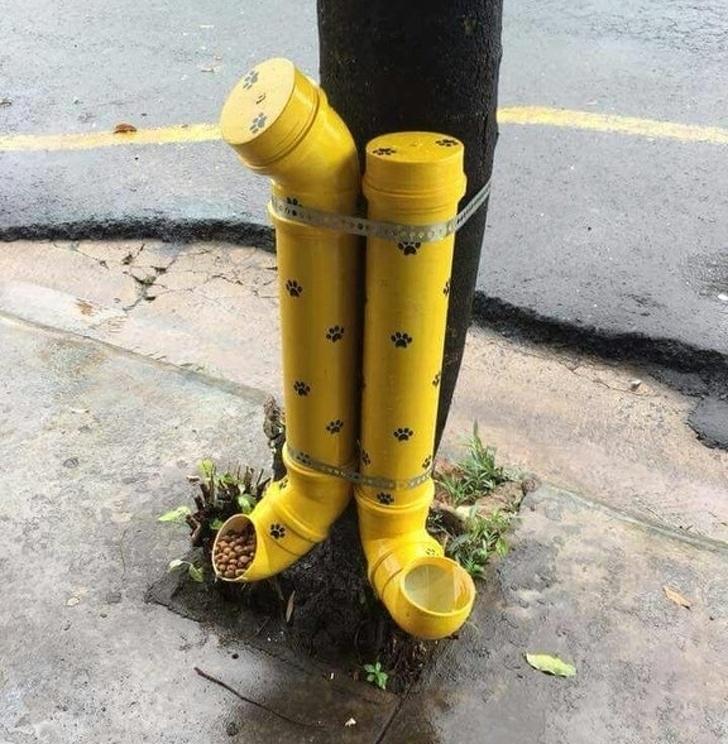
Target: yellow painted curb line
x=633 y=126
x=523 y=115
x=159 y=136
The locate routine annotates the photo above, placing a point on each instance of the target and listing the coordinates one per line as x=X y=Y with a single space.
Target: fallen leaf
x=209 y=69
x=5 y=102
x=676 y=597
x=175 y=515
x=551 y=665
x=124 y=128
x=73 y=601
x=350 y=722
x=289 y=606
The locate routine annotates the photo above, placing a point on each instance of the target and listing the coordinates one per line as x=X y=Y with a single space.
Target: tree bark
x=394 y=65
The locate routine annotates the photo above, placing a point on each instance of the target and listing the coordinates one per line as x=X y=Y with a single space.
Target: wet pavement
x=611 y=238
x=123 y=364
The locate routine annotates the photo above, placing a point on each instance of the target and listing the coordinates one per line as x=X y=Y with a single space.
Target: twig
x=254 y=702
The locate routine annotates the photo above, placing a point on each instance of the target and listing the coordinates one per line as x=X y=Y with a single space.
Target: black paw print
x=401 y=339
x=446 y=288
x=384 y=151
x=277 y=531
x=283 y=482
x=335 y=333
x=250 y=79
x=294 y=288
x=335 y=426
x=301 y=387
x=427 y=462
x=409 y=249
x=365 y=457
x=403 y=434
x=430 y=551
x=258 y=122
x=291 y=204
x=436 y=379
x=447 y=142
x=385 y=498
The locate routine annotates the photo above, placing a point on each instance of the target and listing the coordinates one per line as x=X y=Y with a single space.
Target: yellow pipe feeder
x=280 y=124
x=412 y=178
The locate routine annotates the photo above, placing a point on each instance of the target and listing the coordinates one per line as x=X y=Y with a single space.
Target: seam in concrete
x=650 y=526
x=252 y=394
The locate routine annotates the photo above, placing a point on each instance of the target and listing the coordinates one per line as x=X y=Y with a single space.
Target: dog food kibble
x=233 y=552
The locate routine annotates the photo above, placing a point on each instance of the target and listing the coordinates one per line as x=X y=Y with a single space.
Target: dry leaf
x=124 y=128
x=209 y=69
x=289 y=606
x=677 y=598
x=5 y=102
x=350 y=722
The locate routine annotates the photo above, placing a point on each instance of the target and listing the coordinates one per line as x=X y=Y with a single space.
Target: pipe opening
x=438 y=586
x=234 y=549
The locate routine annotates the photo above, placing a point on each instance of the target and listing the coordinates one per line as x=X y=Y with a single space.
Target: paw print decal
x=283 y=482
x=430 y=551
x=258 y=123
x=335 y=333
x=436 y=380
x=403 y=434
x=385 y=498
x=301 y=387
x=401 y=339
x=250 y=79
x=335 y=426
x=446 y=288
x=294 y=288
x=427 y=462
x=409 y=249
x=277 y=531
x=446 y=142
x=291 y=204
x=304 y=459
x=384 y=151
x=365 y=457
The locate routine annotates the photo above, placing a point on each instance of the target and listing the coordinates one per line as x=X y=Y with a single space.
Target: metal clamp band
x=353 y=476
x=291 y=209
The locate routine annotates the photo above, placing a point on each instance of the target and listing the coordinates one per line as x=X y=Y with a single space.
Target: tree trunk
x=393 y=65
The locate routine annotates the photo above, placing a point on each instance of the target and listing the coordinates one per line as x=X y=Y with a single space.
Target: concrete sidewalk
x=124 y=364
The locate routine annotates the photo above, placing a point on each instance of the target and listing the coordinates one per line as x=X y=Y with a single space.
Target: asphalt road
x=609 y=235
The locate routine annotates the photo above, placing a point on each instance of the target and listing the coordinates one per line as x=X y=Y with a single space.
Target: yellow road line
x=159 y=136
x=652 y=128
x=525 y=115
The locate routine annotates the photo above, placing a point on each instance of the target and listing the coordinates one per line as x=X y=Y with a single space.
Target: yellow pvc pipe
x=280 y=124
x=412 y=178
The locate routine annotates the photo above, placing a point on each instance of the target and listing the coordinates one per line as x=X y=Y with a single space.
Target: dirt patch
x=321 y=613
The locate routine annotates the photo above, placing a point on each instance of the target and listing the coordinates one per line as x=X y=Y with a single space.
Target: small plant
x=196 y=573
x=482 y=537
x=221 y=496
x=470 y=525
x=376 y=675
x=475 y=475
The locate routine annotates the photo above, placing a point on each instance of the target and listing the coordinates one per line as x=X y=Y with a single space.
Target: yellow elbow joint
x=427 y=595
x=294 y=515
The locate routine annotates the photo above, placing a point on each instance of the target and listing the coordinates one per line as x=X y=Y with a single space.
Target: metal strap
x=291 y=209
x=353 y=476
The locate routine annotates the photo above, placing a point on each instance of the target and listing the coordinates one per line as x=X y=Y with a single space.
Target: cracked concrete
x=109 y=436
x=603 y=428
